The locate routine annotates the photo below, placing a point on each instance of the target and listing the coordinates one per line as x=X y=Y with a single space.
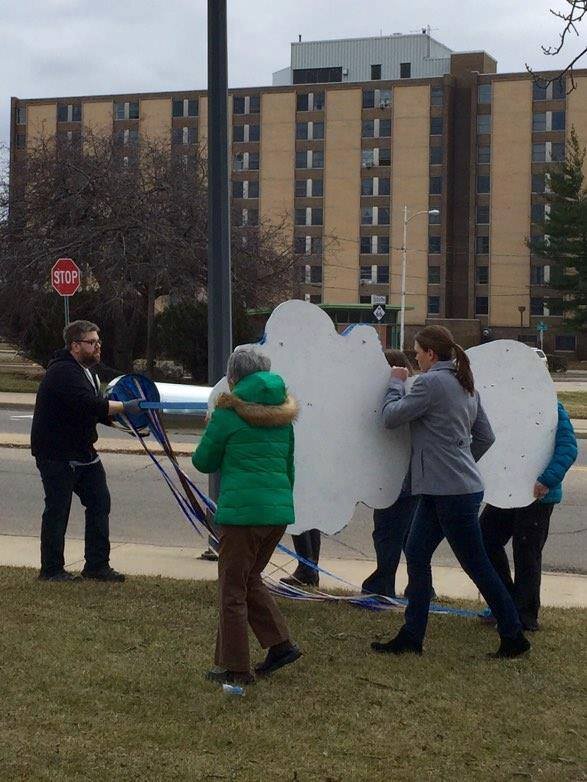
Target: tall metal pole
x=402 y=312
x=219 y=287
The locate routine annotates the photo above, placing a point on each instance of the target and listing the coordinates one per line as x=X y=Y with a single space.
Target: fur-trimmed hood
x=261 y=415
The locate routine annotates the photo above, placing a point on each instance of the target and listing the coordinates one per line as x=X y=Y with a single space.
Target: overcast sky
x=86 y=47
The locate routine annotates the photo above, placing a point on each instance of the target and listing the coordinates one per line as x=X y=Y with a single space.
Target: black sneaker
x=63 y=575
x=104 y=574
x=512 y=647
x=401 y=644
x=277 y=657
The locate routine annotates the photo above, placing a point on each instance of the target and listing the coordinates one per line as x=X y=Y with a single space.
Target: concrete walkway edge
x=566 y=590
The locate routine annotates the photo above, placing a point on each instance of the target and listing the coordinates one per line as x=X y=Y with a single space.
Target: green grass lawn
x=104 y=682
x=17 y=384
x=575 y=403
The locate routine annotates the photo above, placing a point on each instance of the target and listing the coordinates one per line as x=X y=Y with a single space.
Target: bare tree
x=135 y=219
x=576 y=11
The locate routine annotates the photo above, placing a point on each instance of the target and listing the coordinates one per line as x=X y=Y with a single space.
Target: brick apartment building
x=350 y=134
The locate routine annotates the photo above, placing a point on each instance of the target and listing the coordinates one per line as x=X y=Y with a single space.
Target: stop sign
x=65 y=277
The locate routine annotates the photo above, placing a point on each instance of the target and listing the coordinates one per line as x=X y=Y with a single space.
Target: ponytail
x=464 y=374
x=441 y=341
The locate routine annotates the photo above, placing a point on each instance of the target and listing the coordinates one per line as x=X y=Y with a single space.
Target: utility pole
x=219 y=265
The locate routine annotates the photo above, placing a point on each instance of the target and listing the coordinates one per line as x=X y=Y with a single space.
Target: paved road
x=144 y=511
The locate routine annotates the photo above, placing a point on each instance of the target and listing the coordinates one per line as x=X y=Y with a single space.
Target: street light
x=402 y=312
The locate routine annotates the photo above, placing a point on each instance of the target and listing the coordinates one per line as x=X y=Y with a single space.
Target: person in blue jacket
x=528 y=528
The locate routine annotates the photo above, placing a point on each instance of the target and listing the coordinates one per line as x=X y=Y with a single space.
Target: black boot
x=512 y=647
x=401 y=644
x=279 y=655
x=302 y=579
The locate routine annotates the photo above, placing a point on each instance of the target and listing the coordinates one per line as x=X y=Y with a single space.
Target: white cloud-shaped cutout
x=343 y=454
x=519 y=398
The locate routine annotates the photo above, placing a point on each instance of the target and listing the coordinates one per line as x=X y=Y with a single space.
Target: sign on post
x=541 y=328
x=379 y=312
x=65 y=279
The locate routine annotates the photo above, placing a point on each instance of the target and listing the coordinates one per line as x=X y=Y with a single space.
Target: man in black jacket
x=68 y=407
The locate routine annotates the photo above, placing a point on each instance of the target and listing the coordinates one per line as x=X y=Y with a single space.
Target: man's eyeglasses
x=92 y=342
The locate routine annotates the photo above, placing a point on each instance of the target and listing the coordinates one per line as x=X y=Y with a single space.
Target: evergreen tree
x=564 y=243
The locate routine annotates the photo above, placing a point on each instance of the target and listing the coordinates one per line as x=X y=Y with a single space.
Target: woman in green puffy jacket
x=250 y=440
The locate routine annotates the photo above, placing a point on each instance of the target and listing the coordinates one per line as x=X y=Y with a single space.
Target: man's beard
x=89 y=361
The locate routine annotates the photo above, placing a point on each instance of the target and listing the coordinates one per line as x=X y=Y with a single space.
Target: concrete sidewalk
x=558 y=589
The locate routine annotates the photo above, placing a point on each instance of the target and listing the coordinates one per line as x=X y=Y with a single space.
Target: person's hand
x=400 y=373
x=540 y=490
x=132 y=407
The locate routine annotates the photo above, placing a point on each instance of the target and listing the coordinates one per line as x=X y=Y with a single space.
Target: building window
x=537 y=213
x=434 y=219
x=557 y=152
x=365 y=245
x=316 y=216
x=368 y=128
x=308 y=245
x=384 y=128
x=186 y=135
x=383 y=274
x=383 y=186
x=385 y=156
x=367 y=215
x=375 y=186
x=434 y=275
x=435 y=126
x=382 y=215
x=317 y=130
x=367 y=158
x=536 y=305
x=126 y=110
x=558 y=120
x=69 y=112
x=482 y=245
x=367 y=186
x=539 y=122
x=484 y=123
x=538 y=183
x=434 y=245
x=537 y=275
x=317 y=158
x=483 y=155
x=245 y=189
x=315 y=275
x=378 y=99
x=316 y=75
x=484 y=93
x=375 y=72
x=183 y=107
x=435 y=185
x=131 y=136
x=309 y=101
x=382 y=245
x=483 y=184
x=435 y=156
x=433 y=305
x=310 y=130
x=301 y=158
x=566 y=343
x=482 y=273
x=366 y=274
x=249 y=217
x=437 y=96
x=554 y=307
x=559 y=89
x=246 y=104
x=20 y=140
x=481 y=305
x=538 y=153
x=538 y=91
x=254 y=132
x=483 y=215
x=21 y=115
x=405 y=70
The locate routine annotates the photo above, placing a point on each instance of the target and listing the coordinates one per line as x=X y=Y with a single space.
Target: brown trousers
x=243 y=554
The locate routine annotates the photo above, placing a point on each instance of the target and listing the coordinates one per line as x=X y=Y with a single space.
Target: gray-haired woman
x=250 y=440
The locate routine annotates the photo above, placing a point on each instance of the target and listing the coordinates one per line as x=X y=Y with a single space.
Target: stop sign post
x=65 y=279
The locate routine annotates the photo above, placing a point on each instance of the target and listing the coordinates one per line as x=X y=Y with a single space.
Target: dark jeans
x=60 y=482
x=307 y=545
x=390 y=526
x=454 y=517
x=528 y=529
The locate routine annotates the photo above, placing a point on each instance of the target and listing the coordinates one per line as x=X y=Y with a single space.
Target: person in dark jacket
x=528 y=528
x=68 y=406
x=391 y=525
x=250 y=440
x=306 y=545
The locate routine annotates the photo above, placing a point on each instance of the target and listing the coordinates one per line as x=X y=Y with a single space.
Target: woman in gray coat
x=450 y=433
